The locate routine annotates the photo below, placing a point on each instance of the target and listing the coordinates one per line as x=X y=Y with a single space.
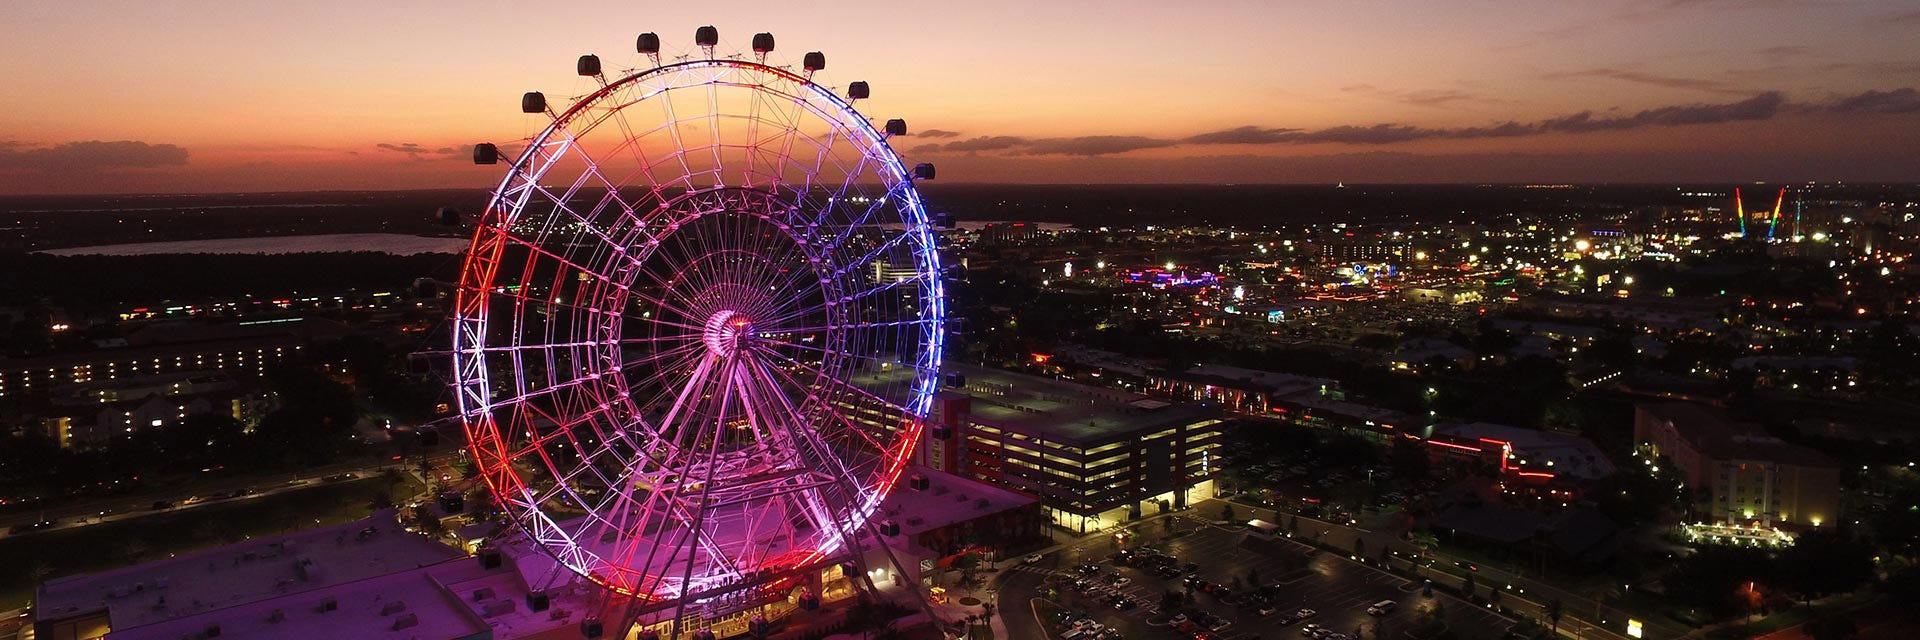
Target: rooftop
x=1067 y=411
x=946 y=500
x=1254 y=379
x=397 y=606
x=1570 y=455
x=236 y=574
x=1710 y=431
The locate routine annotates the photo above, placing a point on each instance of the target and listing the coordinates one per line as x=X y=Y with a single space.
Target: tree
x=1823 y=562
x=1226 y=511
x=1554 y=609
x=1359 y=545
x=1712 y=577
x=1424 y=541
x=1171 y=600
x=1467 y=584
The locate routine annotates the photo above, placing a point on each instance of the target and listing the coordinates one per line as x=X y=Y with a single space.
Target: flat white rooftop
x=240 y=573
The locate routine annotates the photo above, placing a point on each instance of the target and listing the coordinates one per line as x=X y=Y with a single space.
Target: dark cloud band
x=90 y=155
x=1763 y=106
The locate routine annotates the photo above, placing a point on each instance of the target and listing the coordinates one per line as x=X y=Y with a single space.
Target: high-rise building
x=1735 y=472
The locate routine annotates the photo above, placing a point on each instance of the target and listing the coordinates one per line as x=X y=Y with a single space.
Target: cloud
x=1094 y=145
x=416 y=152
x=1642 y=77
x=1759 y=107
x=1762 y=106
x=938 y=133
x=91 y=155
x=411 y=149
x=985 y=143
x=1905 y=100
x=1417 y=97
x=1243 y=135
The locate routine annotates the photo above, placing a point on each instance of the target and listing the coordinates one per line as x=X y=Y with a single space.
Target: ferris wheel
x=699 y=323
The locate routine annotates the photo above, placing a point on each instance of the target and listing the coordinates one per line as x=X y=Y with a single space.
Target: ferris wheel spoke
x=624 y=289
x=827 y=379
x=820 y=404
x=663 y=495
x=858 y=325
x=799 y=432
x=613 y=189
x=821 y=308
x=696 y=533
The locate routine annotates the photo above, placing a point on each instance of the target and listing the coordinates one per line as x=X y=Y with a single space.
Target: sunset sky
x=254 y=95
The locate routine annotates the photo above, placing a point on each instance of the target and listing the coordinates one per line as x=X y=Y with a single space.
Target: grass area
x=100 y=547
x=1794 y=616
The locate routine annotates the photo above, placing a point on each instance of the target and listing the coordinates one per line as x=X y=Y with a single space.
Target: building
x=373 y=580
x=1346 y=248
x=238 y=347
x=1737 y=473
x=93 y=413
x=1234 y=388
x=1446 y=294
x=1326 y=411
x=1528 y=455
x=1094 y=457
x=942 y=518
x=364 y=579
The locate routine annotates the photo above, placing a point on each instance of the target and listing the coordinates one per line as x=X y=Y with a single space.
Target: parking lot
x=1336 y=590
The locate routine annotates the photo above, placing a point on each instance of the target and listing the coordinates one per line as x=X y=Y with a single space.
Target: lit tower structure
x=1773 y=219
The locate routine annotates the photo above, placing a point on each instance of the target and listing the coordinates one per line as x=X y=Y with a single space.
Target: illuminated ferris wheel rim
x=522 y=181
x=880 y=150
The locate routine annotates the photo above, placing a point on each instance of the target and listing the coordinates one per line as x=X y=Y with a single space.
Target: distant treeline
x=109 y=284
x=49 y=222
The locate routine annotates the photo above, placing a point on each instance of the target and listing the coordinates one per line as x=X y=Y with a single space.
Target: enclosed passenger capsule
x=763 y=43
x=533 y=102
x=589 y=65
x=858 y=90
x=814 y=61
x=896 y=127
x=486 y=153
x=923 y=171
x=706 y=36
x=648 y=43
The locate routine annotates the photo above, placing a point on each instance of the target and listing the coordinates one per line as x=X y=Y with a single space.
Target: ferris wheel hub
x=728 y=332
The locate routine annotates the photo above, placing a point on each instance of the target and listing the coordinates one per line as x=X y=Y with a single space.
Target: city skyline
x=371 y=96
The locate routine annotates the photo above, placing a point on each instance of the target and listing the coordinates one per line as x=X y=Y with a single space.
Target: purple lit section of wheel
x=698 y=328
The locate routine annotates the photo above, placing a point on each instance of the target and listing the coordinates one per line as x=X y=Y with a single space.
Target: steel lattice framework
x=698 y=327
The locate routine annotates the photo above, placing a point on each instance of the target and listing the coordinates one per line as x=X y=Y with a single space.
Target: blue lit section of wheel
x=699 y=324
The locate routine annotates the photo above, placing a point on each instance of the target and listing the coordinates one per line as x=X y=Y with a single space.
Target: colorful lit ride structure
x=699 y=324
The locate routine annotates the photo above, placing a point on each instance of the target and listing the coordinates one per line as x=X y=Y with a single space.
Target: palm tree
x=1553 y=614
